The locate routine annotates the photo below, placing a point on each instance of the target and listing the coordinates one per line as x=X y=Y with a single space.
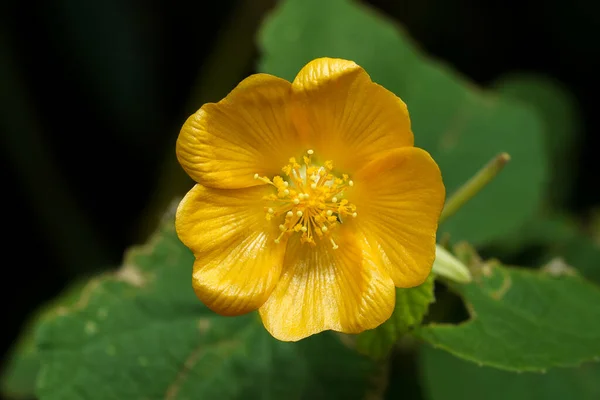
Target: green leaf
x=411 y=306
x=462 y=126
x=20 y=371
x=445 y=377
x=580 y=252
x=142 y=334
x=561 y=238
x=523 y=320
x=21 y=367
x=543 y=230
x=558 y=110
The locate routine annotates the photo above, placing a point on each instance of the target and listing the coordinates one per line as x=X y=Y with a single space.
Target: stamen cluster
x=309 y=200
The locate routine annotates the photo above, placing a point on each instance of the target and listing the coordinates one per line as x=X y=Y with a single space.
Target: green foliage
x=580 y=252
x=444 y=377
x=524 y=320
x=142 y=333
x=561 y=239
x=462 y=126
x=558 y=111
x=21 y=367
x=20 y=370
x=564 y=240
x=551 y=229
x=411 y=306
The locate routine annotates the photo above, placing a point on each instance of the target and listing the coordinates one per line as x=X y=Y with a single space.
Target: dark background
x=93 y=94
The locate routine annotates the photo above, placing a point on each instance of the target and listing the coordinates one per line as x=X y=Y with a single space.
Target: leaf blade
x=139 y=334
x=445 y=377
x=523 y=320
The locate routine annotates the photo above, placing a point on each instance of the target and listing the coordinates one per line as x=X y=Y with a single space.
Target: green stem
x=474 y=185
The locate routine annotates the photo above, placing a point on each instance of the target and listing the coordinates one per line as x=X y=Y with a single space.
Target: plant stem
x=474 y=185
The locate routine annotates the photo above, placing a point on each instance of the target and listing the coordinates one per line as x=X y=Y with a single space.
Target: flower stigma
x=309 y=200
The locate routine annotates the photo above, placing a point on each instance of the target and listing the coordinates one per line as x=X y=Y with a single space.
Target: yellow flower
x=311 y=202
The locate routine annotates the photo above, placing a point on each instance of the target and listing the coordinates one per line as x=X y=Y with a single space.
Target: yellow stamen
x=309 y=199
x=335 y=246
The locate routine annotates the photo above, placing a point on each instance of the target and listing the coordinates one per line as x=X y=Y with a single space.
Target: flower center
x=309 y=200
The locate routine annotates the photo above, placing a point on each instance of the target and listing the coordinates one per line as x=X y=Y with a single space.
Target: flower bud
x=450 y=267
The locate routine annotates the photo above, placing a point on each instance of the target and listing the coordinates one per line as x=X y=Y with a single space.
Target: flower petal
x=237 y=262
x=344 y=116
x=224 y=144
x=321 y=288
x=399 y=198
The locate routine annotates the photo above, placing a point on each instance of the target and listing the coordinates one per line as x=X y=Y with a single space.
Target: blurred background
x=93 y=95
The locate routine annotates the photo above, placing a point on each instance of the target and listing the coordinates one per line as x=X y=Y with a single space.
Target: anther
x=311 y=203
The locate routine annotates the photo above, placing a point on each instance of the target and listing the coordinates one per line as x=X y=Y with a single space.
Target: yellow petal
x=321 y=288
x=249 y=132
x=237 y=262
x=345 y=117
x=399 y=198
